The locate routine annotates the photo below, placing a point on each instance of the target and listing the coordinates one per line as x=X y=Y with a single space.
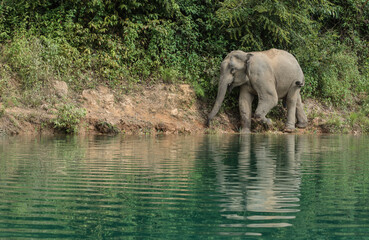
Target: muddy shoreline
x=159 y=109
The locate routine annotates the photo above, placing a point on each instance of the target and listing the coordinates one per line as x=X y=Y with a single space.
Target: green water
x=185 y=187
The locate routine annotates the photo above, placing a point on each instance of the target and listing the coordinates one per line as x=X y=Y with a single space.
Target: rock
x=174 y=112
x=103 y=89
x=101 y=97
x=90 y=95
x=45 y=106
x=106 y=127
x=2 y=132
x=161 y=127
x=61 y=88
x=185 y=88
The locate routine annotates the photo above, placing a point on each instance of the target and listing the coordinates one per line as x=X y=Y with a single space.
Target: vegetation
x=68 y=117
x=122 y=43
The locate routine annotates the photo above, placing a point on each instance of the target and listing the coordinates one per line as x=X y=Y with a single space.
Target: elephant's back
x=280 y=61
x=274 y=53
x=286 y=69
x=284 y=63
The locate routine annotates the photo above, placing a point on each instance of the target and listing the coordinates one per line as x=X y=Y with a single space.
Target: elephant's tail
x=300 y=83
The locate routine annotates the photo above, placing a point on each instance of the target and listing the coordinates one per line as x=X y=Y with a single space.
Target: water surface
x=185 y=187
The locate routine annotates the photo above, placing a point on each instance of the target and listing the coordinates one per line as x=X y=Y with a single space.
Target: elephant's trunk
x=222 y=89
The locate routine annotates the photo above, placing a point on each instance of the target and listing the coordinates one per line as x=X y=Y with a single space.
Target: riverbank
x=156 y=109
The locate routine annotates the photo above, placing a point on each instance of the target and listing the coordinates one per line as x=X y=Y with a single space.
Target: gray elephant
x=270 y=75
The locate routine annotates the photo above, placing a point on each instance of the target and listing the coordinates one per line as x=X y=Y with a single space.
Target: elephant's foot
x=267 y=122
x=245 y=131
x=289 y=130
x=301 y=124
x=261 y=125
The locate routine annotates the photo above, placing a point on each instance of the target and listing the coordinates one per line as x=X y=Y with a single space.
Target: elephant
x=270 y=75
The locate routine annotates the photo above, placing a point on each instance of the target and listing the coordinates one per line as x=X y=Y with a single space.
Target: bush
x=359 y=119
x=24 y=55
x=340 y=76
x=68 y=117
x=332 y=71
x=2 y=111
x=4 y=78
x=37 y=60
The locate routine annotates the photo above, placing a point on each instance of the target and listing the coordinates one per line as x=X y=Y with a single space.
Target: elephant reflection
x=264 y=178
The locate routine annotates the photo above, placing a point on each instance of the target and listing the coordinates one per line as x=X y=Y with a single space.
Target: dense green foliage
x=125 y=42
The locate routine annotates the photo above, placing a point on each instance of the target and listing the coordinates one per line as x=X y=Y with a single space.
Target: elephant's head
x=233 y=73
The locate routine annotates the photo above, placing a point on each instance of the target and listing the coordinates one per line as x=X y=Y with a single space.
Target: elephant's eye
x=233 y=71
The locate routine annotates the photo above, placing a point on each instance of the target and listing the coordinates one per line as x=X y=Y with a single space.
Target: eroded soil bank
x=158 y=109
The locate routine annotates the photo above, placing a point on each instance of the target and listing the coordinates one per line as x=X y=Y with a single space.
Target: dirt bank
x=158 y=109
x=167 y=109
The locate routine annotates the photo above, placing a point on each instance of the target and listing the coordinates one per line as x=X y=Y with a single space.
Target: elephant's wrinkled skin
x=270 y=75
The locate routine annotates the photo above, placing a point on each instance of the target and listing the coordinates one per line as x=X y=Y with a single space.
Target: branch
x=362 y=7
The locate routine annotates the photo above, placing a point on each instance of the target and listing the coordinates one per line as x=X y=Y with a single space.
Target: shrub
x=359 y=119
x=24 y=56
x=335 y=124
x=331 y=71
x=4 y=78
x=68 y=117
x=2 y=111
x=339 y=77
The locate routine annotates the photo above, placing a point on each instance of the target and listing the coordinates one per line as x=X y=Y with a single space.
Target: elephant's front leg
x=267 y=100
x=245 y=103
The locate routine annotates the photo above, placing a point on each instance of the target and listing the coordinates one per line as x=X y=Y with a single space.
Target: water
x=185 y=187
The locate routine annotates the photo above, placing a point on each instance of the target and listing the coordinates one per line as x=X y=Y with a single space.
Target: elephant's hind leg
x=292 y=97
x=300 y=114
x=245 y=102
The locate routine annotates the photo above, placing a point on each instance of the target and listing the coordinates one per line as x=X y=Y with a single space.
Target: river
x=185 y=187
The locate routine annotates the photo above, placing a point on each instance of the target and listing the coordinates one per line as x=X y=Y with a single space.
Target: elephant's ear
x=247 y=63
x=236 y=63
x=232 y=63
